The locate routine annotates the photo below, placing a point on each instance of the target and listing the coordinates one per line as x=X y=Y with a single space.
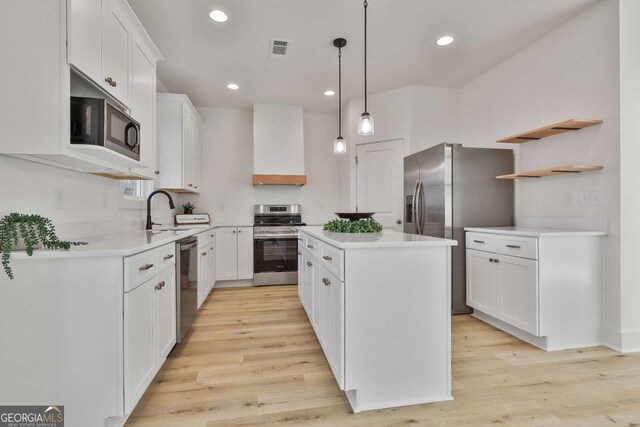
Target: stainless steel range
x=275 y=244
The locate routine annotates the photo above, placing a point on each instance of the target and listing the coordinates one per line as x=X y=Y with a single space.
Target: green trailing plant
x=367 y=225
x=188 y=208
x=33 y=229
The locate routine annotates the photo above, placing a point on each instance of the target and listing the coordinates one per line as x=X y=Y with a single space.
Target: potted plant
x=30 y=232
x=365 y=225
x=188 y=208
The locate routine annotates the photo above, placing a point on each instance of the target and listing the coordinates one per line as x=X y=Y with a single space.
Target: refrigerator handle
x=419 y=210
x=414 y=208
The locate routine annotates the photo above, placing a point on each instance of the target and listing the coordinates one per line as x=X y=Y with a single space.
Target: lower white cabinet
x=234 y=253
x=482 y=281
x=206 y=271
x=165 y=313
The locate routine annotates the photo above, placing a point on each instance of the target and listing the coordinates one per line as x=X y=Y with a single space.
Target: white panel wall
x=278 y=145
x=228 y=194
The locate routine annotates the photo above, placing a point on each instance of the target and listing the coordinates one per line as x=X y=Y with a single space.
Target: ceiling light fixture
x=233 y=86
x=218 y=16
x=365 y=122
x=445 y=40
x=339 y=145
x=329 y=93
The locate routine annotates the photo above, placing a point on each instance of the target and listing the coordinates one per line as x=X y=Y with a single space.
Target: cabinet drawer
x=481 y=242
x=524 y=247
x=138 y=269
x=312 y=245
x=165 y=256
x=333 y=260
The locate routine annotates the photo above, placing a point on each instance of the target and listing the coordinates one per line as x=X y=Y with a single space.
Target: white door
x=245 y=253
x=139 y=349
x=379 y=181
x=84 y=37
x=165 y=313
x=115 y=51
x=143 y=99
x=482 y=278
x=518 y=293
x=226 y=253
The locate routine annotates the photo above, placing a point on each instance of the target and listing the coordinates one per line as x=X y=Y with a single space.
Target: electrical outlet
x=567 y=199
x=59 y=198
x=105 y=200
x=589 y=198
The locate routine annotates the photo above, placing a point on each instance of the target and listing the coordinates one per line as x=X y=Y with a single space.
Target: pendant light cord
x=339 y=92
x=366 y=4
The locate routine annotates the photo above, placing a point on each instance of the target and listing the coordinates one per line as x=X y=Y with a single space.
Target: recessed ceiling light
x=445 y=41
x=329 y=93
x=218 y=16
x=233 y=86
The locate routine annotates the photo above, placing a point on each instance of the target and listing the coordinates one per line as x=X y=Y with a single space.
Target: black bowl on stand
x=354 y=216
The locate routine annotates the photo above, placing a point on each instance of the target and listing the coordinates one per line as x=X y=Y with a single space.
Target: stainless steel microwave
x=95 y=121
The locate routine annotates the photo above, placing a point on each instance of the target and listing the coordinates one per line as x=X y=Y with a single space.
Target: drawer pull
x=491 y=259
x=479 y=241
x=160 y=286
x=309 y=263
x=496 y=260
x=299 y=253
x=326 y=281
x=327 y=257
x=310 y=246
x=168 y=257
x=513 y=246
x=204 y=254
x=145 y=267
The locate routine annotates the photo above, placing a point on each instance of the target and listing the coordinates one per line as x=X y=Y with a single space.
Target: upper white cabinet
x=179 y=144
x=543 y=288
x=94 y=39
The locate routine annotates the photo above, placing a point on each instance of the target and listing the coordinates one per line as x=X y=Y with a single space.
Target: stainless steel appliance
x=449 y=187
x=95 y=121
x=275 y=244
x=187 y=285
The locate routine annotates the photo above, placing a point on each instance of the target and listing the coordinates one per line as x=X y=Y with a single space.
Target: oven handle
x=274 y=236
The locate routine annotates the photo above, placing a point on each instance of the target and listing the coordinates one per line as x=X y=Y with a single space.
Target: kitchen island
x=380 y=305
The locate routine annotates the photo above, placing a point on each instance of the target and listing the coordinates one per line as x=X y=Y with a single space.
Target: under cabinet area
x=179 y=145
x=543 y=286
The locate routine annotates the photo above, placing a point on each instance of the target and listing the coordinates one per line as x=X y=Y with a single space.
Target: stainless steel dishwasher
x=187 y=289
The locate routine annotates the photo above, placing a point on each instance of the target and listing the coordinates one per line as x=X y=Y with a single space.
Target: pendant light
x=365 y=123
x=340 y=145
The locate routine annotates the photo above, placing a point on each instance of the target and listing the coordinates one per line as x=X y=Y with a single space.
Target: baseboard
x=540 y=342
x=232 y=284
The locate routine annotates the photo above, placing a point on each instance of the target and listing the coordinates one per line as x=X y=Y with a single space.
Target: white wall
x=570 y=73
x=90 y=203
x=228 y=194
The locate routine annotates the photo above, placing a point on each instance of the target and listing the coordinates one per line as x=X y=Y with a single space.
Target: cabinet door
x=245 y=253
x=165 y=313
x=196 y=161
x=326 y=283
x=482 y=278
x=116 y=41
x=518 y=293
x=187 y=148
x=336 y=358
x=212 y=264
x=143 y=100
x=301 y=260
x=316 y=284
x=139 y=349
x=203 y=274
x=84 y=37
x=310 y=293
x=226 y=253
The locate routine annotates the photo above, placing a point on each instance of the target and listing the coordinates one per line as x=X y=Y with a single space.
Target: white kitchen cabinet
x=84 y=37
x=116 y=47
x=301 y=261
x=234 y=253
x=336 y=336
x=139 y=349
x=245 y=253
x=179 y=144
x=204 y=272
x=543 y=286
x=165 y=313
x=212 y=265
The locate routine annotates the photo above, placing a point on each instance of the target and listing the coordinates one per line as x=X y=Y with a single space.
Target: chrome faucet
x=150 y=223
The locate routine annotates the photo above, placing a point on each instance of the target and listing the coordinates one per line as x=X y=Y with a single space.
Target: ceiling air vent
x=279 y=47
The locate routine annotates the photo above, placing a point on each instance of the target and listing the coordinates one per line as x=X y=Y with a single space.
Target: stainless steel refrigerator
x=449 y=187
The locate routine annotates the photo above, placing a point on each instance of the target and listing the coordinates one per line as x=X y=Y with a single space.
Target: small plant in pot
x=18 y=231
x=188 y=208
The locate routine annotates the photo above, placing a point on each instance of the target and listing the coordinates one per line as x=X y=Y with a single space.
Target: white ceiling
x=201 y=56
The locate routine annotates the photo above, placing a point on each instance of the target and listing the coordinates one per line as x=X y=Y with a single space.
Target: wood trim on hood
x=298 y=180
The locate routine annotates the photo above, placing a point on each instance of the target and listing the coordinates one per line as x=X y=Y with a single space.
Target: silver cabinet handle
x=145 y=267
x=160 y=286
x=212 y=235
x=491 y=259
x=309 y=263
x=239 y=231
x=109 y=80
x=157 y=172
x=114 y=84
x=479 y=241
x=210 y=249
x=327 y=257
x=168 y=257
x=299 y=253
x=496 y=260
x=513 y=246
x=326 y=281
x=204 y=254
x=310 y=246
x=398 y=221
x=190 y=185
x=234 y=231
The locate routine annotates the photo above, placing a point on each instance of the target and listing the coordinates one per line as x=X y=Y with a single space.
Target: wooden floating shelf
x=298 y=180
x=554 y=129
x=551 y=171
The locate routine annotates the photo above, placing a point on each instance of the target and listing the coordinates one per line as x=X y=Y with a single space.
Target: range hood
x=278 y=145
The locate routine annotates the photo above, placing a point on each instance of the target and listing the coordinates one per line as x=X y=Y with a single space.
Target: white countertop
x=126 y=243
x=384 y=239
x=535 y=232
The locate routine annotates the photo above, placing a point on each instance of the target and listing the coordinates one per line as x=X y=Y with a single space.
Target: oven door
x=122 y=133
x=275 y=260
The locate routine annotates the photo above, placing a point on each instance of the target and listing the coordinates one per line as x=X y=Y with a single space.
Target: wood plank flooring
x=252 y=359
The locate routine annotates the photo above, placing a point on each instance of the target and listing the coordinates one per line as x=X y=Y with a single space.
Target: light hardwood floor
x=252 y=359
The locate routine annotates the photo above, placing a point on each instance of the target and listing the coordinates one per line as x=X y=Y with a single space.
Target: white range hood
x=278 y=145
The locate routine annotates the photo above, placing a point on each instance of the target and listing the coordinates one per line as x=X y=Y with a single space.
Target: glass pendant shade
x=339 y=145
x=366 y=125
